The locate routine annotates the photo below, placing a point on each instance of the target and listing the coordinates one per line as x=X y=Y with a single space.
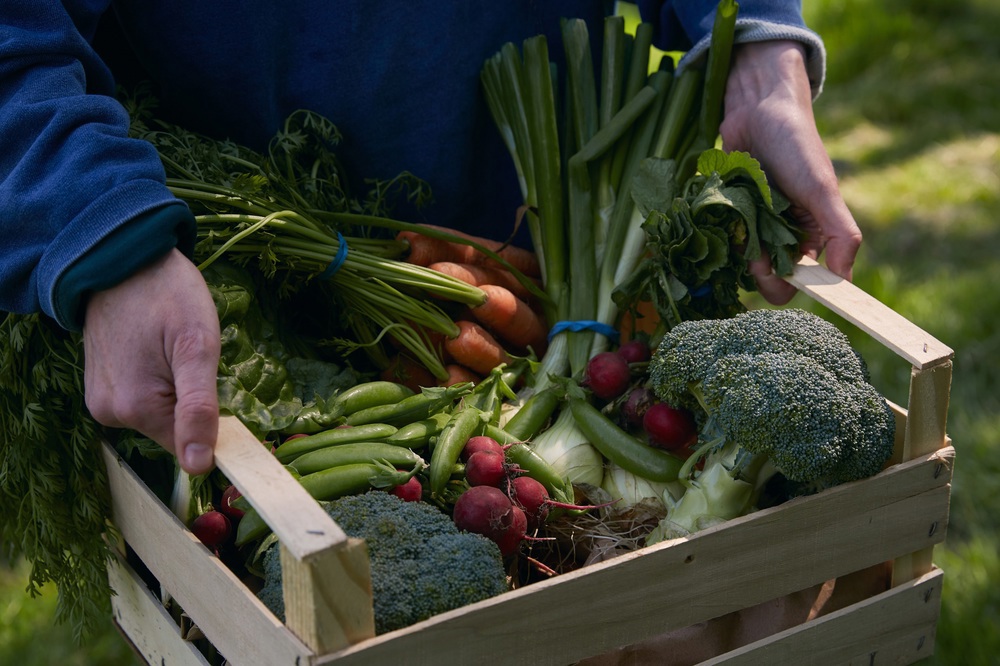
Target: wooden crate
x=653 y=600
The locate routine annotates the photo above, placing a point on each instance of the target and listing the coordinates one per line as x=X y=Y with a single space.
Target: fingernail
x=197 y=456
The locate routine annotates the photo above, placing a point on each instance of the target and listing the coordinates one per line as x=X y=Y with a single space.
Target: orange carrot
x=511 y=319
x=406 y=371
x=425 y=250
x=458 y=374
x=479 y=275
x=475 y=348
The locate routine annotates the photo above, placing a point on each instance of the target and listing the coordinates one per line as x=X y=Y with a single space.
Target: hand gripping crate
x=779 y=586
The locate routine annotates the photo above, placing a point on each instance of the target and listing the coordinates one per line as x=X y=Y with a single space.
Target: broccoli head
x=421 y=564
x=774 y=391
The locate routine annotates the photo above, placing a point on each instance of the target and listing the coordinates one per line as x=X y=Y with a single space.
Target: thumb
x=194 y=362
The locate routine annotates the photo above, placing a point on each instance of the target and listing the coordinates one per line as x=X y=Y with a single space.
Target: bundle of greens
x=289 y=214
x=584 y=163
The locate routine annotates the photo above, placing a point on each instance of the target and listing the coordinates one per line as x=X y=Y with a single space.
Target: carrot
x=458 y=374
x=425 y=250
x=404 y=370
x=475 y=348
x=511 y=319
x=478 y=275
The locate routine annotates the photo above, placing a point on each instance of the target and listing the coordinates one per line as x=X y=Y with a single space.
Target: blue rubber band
x=584 y=325
x=338 y=260
x=703 y=290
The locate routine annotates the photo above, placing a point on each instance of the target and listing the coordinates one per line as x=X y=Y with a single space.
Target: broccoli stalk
x=775 y=392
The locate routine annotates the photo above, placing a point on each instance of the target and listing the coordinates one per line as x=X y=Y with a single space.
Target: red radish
x=411 y=491
x=485 y=468
x=480 y=443
x=230 y=495
x=530 y=495
x=669 y=427
x=514 y=532
x=636 y=403
x=607 y=375
x=488 y=511
x=212 y=528
x=635 y=351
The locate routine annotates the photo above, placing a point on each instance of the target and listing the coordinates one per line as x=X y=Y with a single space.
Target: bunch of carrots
x=510 y=323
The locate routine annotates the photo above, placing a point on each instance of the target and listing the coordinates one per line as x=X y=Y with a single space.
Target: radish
x=636 y=403
x=530 y=495
x=669 y=427
x=607 y=375
x=486 y=468
x=480 y=443
x=635 y=351
x=230 y=495
x=488 y=511
x=411 y=491
x=212 y=528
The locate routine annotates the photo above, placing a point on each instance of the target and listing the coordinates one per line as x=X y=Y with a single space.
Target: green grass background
x=911 y=117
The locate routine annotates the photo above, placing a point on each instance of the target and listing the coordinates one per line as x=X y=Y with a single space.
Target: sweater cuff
x=751 y=30
x=121 y=254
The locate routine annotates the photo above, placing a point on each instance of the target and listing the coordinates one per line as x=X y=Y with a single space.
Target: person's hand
x=768 y=113
x=151 y=349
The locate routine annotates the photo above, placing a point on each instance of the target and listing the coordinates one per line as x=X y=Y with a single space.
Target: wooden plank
x=295 y=517
x=238 y=624
x=866 y=312
x=328 y=600
x=735 y=565
x=896 y=626
x=154 y=635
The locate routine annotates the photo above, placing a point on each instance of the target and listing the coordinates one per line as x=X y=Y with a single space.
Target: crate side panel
x=672 y=585
x=236 y=622
x=147 y=625
x=895 y=627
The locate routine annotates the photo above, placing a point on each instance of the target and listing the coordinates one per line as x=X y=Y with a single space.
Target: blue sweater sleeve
x=685 y=25
x=71 y=180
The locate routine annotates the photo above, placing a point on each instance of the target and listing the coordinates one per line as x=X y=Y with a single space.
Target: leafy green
x=701 y=242
x=53 y=485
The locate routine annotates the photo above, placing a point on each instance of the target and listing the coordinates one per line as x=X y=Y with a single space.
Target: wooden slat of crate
x=238 y=624
x=743 y=562
x=896 y=626
x=139 y=615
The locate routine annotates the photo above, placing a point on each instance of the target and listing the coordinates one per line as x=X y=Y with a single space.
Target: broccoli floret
x=774 y=391
x=421 y=564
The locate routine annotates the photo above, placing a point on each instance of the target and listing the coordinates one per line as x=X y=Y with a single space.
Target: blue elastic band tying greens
x=584 y=325
x=338 y=260
x=703 y=290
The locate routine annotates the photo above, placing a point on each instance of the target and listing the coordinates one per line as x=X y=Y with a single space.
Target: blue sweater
x=82 y=206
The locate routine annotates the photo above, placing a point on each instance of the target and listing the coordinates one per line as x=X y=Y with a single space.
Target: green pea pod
x=533 y=465
x=414 y=408
x=417 y=435
x=369 y=432
x=621 y=448
x=370 y=394
x=463 y=425
x=534 y=413
x=356 y=452
x=330 y=484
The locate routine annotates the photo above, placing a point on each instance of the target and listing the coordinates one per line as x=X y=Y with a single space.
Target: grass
x=911 y=116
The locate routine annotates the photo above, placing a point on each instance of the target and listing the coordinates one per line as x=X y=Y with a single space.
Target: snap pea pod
x=621 y=448
x=414 y=408
x=356 y=452
x=370 y=394
x=291 y=449
x=417 y=435
x=462 y=425
x=330 y=484
x=534 y=413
